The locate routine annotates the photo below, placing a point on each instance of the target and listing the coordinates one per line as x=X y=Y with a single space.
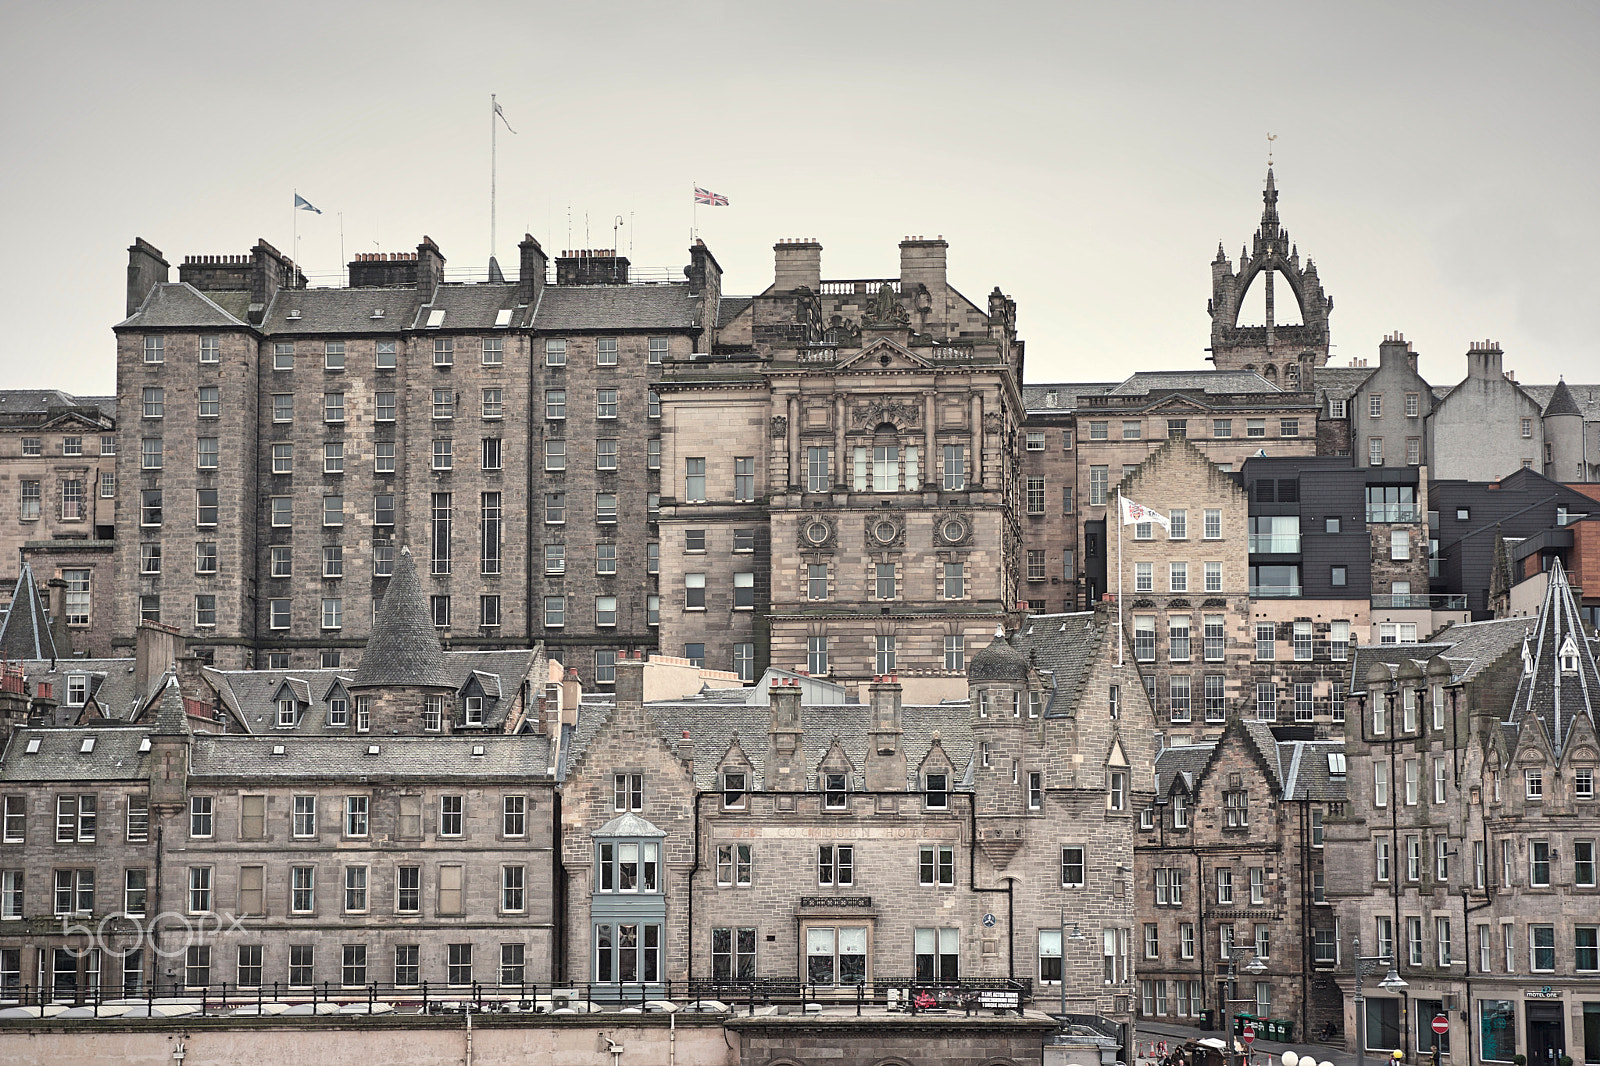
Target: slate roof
x=340 y=311
x=731 y=307
x=1556 y=698
x=586 y=308
x=1341 y=382
x=1063 y=647
x=115 y=756
x=110 y=682
x=473 y=307
x=25 y=632
x=1034 y=397
x=1185 y=761
x=177 y=304
x=442 y=758
x=40 y=401
x=999 y=661
x=712 y=727
x=1474 y=645
x=1390 y=655
x=1561 y=401
x=249 y=693
x=628 y=825
x=404 y=646
x=171 y=719
x=1585 y=398
x=1306 y=775
x=1209 y=381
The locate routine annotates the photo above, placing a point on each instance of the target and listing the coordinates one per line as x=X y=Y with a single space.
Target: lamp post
x=1255 y=967
x=1392 y=982
x=1076 y=938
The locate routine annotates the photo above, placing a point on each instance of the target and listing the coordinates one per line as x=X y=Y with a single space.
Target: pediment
x=1177 y=405
x=883 y=354
x=73 y=419
x=1116 y=756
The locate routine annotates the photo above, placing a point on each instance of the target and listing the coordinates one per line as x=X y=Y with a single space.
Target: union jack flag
x=705 y=196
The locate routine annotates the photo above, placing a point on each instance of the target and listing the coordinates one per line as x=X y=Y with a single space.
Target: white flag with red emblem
x=1134 y=513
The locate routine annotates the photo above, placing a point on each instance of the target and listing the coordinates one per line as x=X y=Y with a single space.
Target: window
x=199 y=900
x=744 y=479
x=817 y=656
x=1036 y=501
x=555 y=352
x=1178 y=577
x=936 y=791
x=149 y=459
x=1288 y=427
x=383 y=406
x=408 y=889
x=885 y=653
x=1178 y=637
x=1144 y=638
x=108 y=485
x=1542 y=947
x=1116 y=790
x=1583 y=863
x=333 y=510
x=1236 y=808
x=1255 y=427
x=734 y=862
x=444 y=349
x=1224 y=886
x=1143 y=577
x=936 y=865
x=605 y=351
x=1527 y=427
x=735 y=786
x=1539 y=863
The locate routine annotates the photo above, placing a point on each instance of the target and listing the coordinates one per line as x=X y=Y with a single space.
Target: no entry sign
x=1441 y=1024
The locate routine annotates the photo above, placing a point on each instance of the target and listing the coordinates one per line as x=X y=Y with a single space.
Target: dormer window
x=338 y=711
x=735 y=786
x=286 y=713
x=474 y=710
x=936 y=789
x=1180 y=811
x=835 y=791
x=1569 y=656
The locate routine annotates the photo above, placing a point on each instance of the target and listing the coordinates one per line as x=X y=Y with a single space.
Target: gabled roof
x=25 y=633
x=441 y=758
x=1183 y=763
x=474 y=307
x=404 y=647
x=1306 y=772
x=1210 y=381
x=1547 y=691
x=179 y=305
x=1341 y=382
x=588 y=308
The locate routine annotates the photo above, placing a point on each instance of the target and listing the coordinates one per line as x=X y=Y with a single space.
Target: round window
x=817 y=533
x=953 y=531
x=884 y=532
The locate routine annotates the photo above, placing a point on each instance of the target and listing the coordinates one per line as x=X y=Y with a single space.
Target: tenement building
x=891 y=844
x=1468 y=852
x=385 y=827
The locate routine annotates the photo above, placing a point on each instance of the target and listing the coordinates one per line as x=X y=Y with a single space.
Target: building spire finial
x=1270 y=138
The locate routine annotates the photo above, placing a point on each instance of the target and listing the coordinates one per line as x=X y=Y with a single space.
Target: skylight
x=87 y=745
x=33 y=745
x=502 y=318
x=1336 y=763
x=435 y=319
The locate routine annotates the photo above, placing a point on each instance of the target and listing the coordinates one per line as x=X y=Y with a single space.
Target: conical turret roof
x=1561 y=401
x=404 y=648
x=25 y=634
x=171 y=718
x=998 y=662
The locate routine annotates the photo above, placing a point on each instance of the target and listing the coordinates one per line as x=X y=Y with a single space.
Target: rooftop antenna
x=630 y=234
x=569 y=223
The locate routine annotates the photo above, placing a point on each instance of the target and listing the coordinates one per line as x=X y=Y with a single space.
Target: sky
x=1437 y=160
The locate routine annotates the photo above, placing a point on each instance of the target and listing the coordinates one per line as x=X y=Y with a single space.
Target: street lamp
x=1392 y=982
x=1255 y=967
x=1076 y=938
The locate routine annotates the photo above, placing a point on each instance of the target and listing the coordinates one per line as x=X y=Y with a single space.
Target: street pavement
x=1262 y=1053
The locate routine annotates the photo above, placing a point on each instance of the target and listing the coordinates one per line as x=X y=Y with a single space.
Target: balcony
x=1274 y=591
x=1393 y=512
x=1420 y=601
x=1274 y=544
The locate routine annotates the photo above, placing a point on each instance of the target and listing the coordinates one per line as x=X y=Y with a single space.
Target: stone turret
x=26 y=633
x=1563 y=433
x=402 y=670
x=886 y=756
x=169 y=751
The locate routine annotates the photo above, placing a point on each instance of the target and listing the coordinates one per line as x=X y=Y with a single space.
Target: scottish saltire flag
x=705 y=196
x=1134 y=513
x=302 y=204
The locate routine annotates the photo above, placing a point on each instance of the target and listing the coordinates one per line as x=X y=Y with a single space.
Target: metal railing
x=1274 y=591
x=1393 y=512
x=1424 y=601
x=175 y=998
x=1275 y=543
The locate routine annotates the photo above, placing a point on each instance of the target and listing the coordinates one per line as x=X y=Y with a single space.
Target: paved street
x=1263 y=1052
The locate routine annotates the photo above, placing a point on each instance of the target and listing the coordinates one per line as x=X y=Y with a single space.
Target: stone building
x=844 y=486
x=1229 y=865
x=57 y=451
x=288 y=440
x=289 y=834
x=1186 y=592
x=1468 y=853
x=835 y=844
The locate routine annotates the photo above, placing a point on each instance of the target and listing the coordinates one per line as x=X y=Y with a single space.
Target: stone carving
x=884 y=532
x=901 y=414
x=991 y=422
x=818 y=533
x=780 y=425
x=886 y=309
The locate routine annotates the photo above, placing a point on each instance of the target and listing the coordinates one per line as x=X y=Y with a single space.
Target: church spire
x=1269 y=210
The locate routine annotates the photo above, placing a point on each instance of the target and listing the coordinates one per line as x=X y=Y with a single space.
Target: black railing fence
x=175 y=998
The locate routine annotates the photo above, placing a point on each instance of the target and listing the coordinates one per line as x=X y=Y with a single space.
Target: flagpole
x=494 y=132
x=294 y=231
x=694 y=214
x=1122 y=637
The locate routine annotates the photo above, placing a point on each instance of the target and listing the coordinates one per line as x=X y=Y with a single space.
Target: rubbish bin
x=1274 y=1030
x=1208 y=1019
x=1239 y=1021
x=1286 y=1029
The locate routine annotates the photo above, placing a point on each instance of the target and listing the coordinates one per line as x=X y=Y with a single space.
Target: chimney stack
x=530 y=284
x=786 y=770
x=430 y=268
x=798 y=265
x=629 y=686
x=886 y=758
x=1484 y=360
x=146 y=270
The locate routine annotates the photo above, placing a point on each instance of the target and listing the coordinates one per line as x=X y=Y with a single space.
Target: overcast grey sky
x=1437 y=160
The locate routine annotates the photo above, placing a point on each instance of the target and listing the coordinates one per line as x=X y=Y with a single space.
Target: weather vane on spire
x=1270 y=138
